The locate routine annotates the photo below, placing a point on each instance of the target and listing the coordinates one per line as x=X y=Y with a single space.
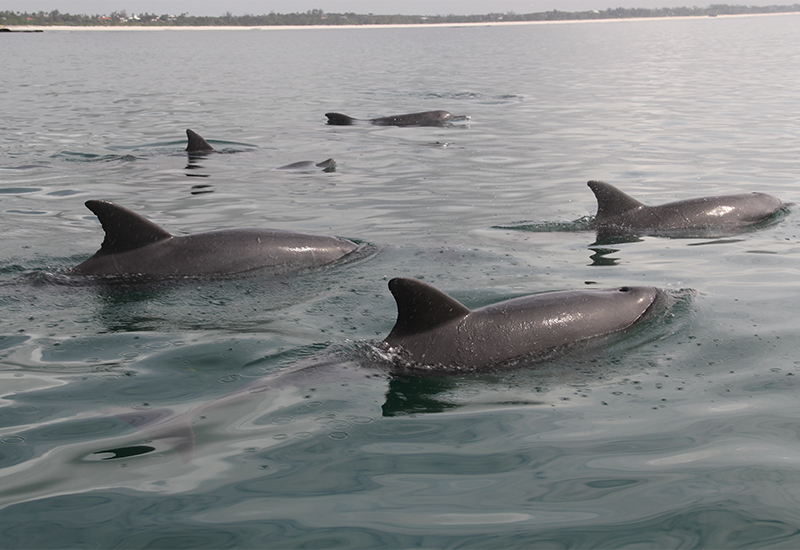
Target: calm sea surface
x=252 y=412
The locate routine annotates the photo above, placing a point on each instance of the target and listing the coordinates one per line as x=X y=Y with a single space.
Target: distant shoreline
x=376 y=26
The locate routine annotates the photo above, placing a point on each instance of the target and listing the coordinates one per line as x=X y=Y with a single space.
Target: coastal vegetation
x=321 y=18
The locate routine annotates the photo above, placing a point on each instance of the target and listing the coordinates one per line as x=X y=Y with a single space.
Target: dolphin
x=428 y=118
x=197 y=144
x=435 y=331
x=621 y=213
x=134 y=245
x=328 y=165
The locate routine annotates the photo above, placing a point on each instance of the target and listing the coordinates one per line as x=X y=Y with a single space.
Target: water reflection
x=416 y=395
x=601 y=248
x=193 y=163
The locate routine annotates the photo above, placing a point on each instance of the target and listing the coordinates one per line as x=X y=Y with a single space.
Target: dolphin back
x=327 y=165
x=136 y=246
x=435 y=331
x=618 y=212
x=338 y=119
x=426 y=118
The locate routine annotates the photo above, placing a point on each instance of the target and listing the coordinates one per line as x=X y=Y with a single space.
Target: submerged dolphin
x=136 y=246
x=197 y=144
x=428 y=118
x=621 y=213
x=435 y=330
x=328 y=165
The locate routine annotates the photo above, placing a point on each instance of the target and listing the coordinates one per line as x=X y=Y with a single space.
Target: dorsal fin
x=196 y=142
x=610 y=200
x=338 y=119
x=421 y=307
x=125 y=230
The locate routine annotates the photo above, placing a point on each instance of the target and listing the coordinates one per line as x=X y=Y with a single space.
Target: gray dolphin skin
x=435 y=330
x=621 y=213
x=427 y=118
x=197 y=144
x=134 y=245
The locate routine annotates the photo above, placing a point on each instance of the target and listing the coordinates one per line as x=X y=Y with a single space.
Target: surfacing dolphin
x=134 y=245
x=197 y=144
x=618 y=213
x=427 y=118
x=328 y=165
x=435 y=331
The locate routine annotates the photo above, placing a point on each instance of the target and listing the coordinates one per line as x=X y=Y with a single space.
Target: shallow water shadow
x=416 y=395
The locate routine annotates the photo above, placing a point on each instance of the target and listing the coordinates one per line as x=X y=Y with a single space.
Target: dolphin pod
x=427 y=118
x=134 y=245
x=621 y=213
x=435 y=330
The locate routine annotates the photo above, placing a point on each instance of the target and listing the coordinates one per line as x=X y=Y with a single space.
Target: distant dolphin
x=436 y=331
x=197 y=144
x=136 y=246
x=428 y=118
x=621 y=213
x=328 y=165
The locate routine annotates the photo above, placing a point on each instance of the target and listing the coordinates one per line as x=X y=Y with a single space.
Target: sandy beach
x=318 y=27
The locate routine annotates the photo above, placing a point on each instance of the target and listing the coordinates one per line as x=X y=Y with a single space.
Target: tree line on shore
x=320 y=18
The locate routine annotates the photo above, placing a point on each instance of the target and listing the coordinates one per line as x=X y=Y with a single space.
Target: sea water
x=253 y=412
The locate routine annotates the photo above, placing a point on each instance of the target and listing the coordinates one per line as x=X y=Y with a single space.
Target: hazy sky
x=412 y=7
